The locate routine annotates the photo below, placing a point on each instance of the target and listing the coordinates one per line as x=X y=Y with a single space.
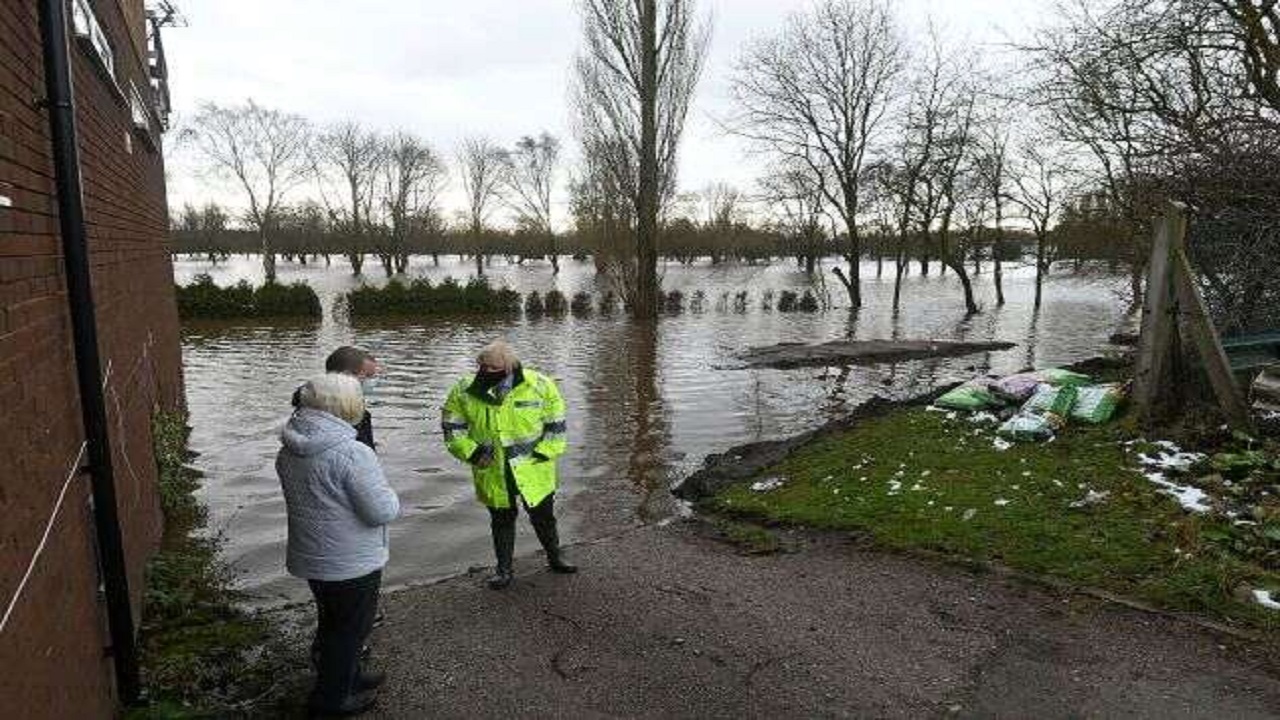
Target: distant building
x=54 y=659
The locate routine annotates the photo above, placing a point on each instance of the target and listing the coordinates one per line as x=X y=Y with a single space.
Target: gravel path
x=668 y=622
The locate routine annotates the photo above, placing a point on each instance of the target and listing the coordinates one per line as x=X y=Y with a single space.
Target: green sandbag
x=1031 y=426
x=1097 y=404
x=1051 y=399
x=1060 y=377
x=969 y=397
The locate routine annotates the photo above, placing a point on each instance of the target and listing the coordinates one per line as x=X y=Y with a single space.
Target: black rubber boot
x=354 y=704
x=544 y=524
x=504 y=547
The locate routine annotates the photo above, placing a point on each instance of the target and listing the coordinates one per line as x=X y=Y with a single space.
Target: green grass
x=916 y=480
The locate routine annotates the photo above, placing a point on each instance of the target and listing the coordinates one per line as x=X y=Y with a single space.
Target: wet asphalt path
x=668 y=622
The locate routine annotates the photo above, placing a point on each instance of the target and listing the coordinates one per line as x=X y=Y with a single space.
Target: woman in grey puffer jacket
x=339 y=504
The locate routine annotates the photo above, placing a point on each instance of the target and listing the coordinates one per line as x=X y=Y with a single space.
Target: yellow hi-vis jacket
x=523 y=428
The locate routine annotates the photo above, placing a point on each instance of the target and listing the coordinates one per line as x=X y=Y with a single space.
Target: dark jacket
x=364 y=428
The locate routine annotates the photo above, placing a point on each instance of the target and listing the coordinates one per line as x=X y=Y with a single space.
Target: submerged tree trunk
x=1040 y=270
x=646 y=300
x=268 y=257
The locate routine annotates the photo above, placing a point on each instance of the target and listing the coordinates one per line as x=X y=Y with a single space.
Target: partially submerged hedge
x=420 y=297
x=204 y=300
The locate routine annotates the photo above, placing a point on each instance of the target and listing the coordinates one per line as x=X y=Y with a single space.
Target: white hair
x=499 y=354
x=335 y=393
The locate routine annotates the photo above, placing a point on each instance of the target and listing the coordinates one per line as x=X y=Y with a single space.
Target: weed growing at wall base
x=203 y=655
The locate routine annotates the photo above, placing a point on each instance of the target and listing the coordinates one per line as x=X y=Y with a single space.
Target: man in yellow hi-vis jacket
x=508 y=423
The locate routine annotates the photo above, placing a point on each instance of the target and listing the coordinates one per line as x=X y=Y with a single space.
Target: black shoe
x=501 y=579
x=558 y=564
x=354 y=704
x=370 y=680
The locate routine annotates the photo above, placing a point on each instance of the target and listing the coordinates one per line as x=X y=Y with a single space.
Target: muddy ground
x=671 y=622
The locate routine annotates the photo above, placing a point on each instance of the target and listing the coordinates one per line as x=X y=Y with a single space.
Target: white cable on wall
x=44 y=539
x=66 y=485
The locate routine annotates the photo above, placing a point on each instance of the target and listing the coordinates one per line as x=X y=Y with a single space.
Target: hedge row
x=205 y=300
x=420 y=297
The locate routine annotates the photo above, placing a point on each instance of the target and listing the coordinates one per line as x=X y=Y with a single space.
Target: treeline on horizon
x=307 y=232
x=882 y=140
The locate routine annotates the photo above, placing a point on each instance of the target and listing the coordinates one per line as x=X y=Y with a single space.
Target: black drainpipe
x=75 y=253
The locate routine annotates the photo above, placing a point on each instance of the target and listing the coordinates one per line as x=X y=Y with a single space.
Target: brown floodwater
x=647 y=401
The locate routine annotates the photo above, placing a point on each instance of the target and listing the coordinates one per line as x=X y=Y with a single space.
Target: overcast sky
x=446 y=69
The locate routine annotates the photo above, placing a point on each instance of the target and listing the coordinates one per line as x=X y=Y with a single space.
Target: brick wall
x=52 y=651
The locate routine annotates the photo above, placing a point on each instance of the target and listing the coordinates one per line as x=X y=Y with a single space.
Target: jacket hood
x=311 y=432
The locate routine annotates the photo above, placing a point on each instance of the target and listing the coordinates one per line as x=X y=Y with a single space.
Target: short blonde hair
x=336 y=394
x=499 y=354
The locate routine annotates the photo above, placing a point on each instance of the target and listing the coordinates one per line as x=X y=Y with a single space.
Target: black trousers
x=345 y=611
x=502 y=522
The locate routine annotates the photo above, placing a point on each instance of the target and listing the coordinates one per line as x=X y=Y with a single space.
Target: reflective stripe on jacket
x=527 y=423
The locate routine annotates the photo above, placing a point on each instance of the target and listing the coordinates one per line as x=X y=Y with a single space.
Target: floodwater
x=647 y=401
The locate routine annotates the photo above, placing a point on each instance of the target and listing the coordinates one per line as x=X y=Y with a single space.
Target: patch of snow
x=894 y=487
x=983 y=417
x=968 y=514
x=768 y=484
x=1263 y=598
x=1191 y=498
x=1174 y=460
x=1093 y=497
x=1001 y=444
x=1001 y=502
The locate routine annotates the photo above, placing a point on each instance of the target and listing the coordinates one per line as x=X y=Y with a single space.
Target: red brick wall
x=52 y=651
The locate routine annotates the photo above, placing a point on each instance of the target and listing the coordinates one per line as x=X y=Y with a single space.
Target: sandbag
x=970 y=397
x=1060 y=377
x=1019 y=387
x=1097 y=404
x=1032 y=426
x=1052 y=399
x=1266 y=390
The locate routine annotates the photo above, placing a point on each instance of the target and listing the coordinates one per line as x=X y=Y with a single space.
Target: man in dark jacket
x=361 y=365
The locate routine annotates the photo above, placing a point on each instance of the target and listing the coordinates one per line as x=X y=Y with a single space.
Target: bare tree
x=1255 y=25
x=530 y=179
x=413 y=177
x=723 y=209
x=1040 y=178
x=481 y=166
x=636 y=74
x=992 y=165
x=264 y=151
x=818 y=95
x=799 y=212
x=949 y=173
x=356 y=155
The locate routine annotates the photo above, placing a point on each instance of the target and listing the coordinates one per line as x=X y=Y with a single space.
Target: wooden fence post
x=1158 y=311
x=1172 y=293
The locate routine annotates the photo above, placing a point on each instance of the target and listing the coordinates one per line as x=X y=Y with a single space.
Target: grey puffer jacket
x=338 y=500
